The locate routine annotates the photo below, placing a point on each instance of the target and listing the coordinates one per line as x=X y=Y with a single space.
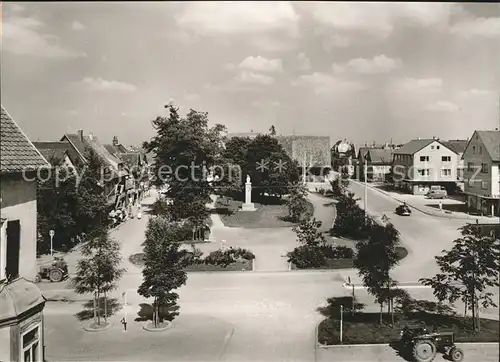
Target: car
x=403 y=210
x=437 y=194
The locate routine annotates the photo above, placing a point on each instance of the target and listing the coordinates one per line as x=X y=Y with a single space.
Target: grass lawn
x=365 y=328
x=266 y=216
x=241 y=265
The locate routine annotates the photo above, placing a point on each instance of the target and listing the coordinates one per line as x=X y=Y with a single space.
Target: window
x=484 y=185
x=438 y=147
x=470 y=167
x=432 y=147
x=446 y=158
x=446 y=172
x=474 y=149
x=484 y=168
x=480 y=150
x=423 y=172
x=13 y=248
x=470 y=182
x=424 y=158
x=31 y=345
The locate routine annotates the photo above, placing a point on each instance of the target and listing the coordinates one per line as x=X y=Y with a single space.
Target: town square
x=153 y=211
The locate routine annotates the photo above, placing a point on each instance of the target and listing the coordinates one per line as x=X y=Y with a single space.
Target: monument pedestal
x=248 y=207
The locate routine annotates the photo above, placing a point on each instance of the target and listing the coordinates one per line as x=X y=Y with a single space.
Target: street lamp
x=51 y=234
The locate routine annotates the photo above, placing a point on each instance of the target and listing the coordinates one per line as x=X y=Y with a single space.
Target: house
x=459 y=147
x=482 y=161
x=57 y=153
x=116 y=184
x=116 y=147
x=423 y=163
x=311 y=152
x=21 y=301
x=342 y=155
x=379 y=163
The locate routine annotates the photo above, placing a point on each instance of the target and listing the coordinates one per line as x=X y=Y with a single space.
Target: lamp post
x=51 y=234
x=366 y=188
x=341 y=321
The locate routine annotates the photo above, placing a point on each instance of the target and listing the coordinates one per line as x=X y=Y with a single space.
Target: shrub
x=307 y=256
x=337 y=252
x=226 y=257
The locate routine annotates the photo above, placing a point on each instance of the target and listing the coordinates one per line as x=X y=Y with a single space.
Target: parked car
x=403 y=210
x=437 y=194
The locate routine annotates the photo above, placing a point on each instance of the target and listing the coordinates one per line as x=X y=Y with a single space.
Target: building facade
x=22 y=303
x=482 y=172
x=378 y=163
x=423 y=163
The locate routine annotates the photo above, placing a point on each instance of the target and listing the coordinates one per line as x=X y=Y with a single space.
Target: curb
x=157 y=330
x=94 y=330
x=443 y=215
x=227 y=338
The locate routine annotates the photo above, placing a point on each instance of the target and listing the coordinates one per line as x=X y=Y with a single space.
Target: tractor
x=56 y=271
x=424 y=345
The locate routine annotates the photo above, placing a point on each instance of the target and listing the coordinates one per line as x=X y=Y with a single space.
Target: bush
x=227 y=257
x=337 y=252
x=306 y=256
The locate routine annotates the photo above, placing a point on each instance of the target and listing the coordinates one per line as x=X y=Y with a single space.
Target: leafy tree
x=163 y=269
x=93 y=210
x=297 y=201
x=185 y=149
x=350 y=219
x=57 y=207
x=469 y=271
x=374 y=260
x=98 y=271
x=308 y=233
x=272 y=130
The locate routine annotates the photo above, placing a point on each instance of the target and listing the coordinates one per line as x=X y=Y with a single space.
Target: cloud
x=261 y=64
x=238 y=17
x=379 y=64
x=423 y=84
x=99 y=84
x=77 y=26
x=479 y=27
x=378 y=19
x=304 y=62
x=442 y=106
x=476 y=92
x=324 y=83
x=24 y=36
x=266 y=104
x=335 y=41
x=253 y=78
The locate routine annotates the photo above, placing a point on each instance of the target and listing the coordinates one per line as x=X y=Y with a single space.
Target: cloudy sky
x=361 y=71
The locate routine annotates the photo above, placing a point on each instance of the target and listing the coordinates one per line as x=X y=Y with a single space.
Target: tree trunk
x=478 y=325
x=105 y=308
x=98 y=307
x=392 y=312
x=95 y=307
x=381 y=312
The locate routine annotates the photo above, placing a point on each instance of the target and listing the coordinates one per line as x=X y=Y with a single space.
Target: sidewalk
x=430 y=210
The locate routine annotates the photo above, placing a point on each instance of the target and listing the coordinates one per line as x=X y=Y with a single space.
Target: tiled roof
x=379 y=156
x=130 y=159
x=312 y=148
x=111 y=149
x=53 y=156
x=107 y=157
x=362 y=152
x=491 y=141
x=78 y=144
x=414 y=146
x=17 y=153
x=457 y=146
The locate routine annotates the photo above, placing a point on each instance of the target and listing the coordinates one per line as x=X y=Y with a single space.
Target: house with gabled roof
x=118 y=186
x=21 y=301
x=57 y=153
x=423 y=163
x=379 y=163
x=482 y=172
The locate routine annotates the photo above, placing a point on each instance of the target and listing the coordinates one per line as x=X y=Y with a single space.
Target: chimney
x=80 y=134
x=115 y=141
x=91 y=136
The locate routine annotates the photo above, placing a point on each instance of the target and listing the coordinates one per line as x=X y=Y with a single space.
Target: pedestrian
x=440 y=205
x=139 y=214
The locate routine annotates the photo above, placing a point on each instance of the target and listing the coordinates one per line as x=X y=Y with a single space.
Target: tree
x=98 y=271
x=308 y=233
x=272 y=130
x=93 y=210
x=350 y=219
x=186 y=148
x=163 y=269
x=374 y=260
x=57 y=207
x=297 y=201
x=468 y=271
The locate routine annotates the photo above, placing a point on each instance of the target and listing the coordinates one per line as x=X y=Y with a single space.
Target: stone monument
x=248 y=205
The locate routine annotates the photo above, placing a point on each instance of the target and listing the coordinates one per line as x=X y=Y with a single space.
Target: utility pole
x=366 y=189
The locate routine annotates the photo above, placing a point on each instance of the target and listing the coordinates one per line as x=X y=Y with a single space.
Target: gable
x=434 y=144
